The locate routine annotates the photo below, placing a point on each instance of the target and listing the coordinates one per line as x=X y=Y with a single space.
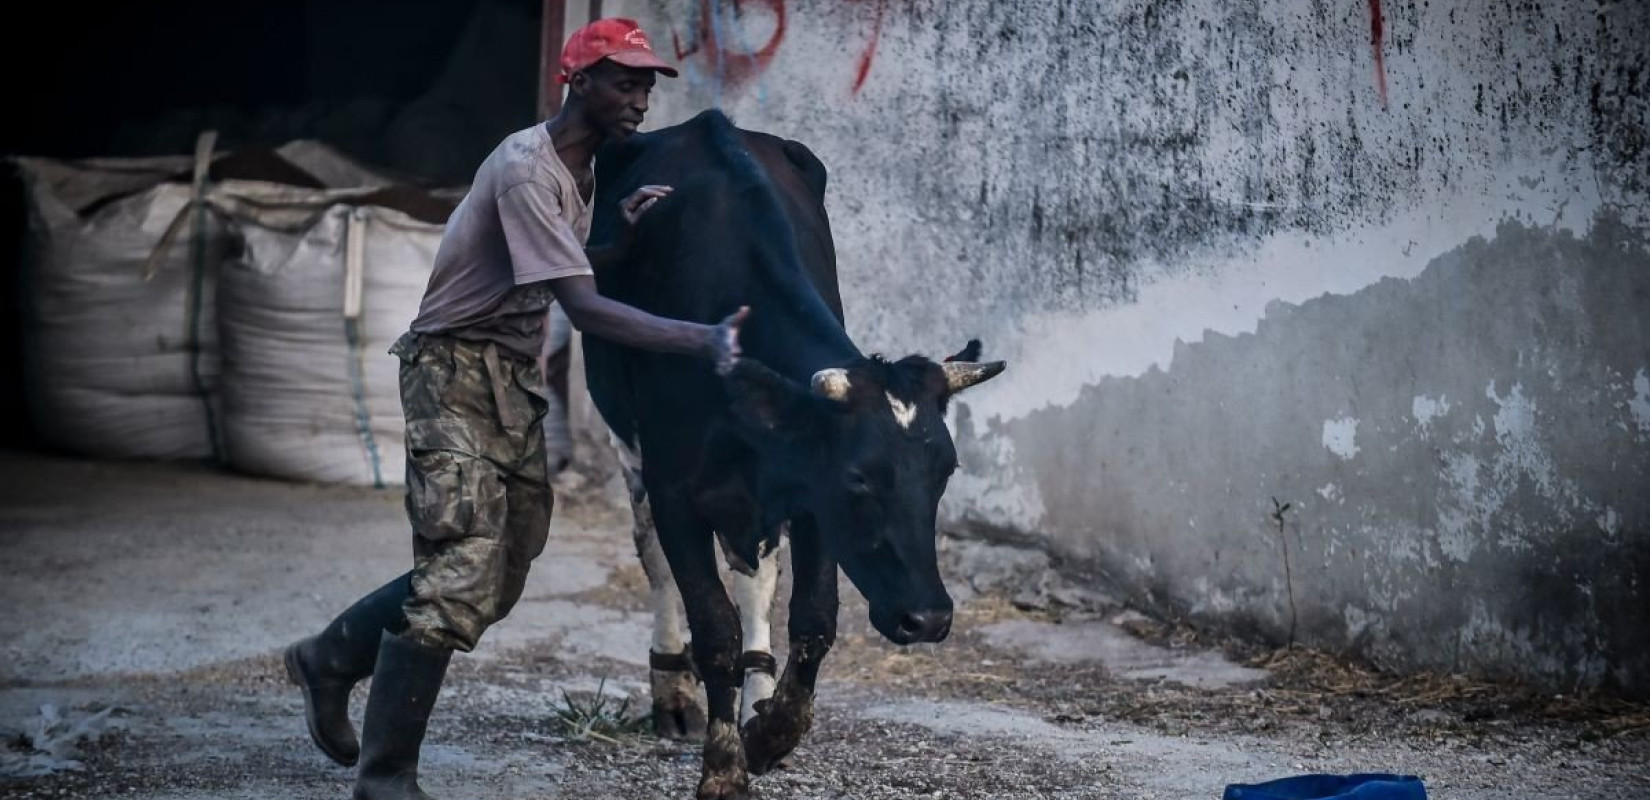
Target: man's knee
x=458 y=589
x=440 y=636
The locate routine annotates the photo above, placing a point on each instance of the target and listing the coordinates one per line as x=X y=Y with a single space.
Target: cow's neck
x=802 y=345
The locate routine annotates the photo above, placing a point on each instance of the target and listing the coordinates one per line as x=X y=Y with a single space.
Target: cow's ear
x=970 y=352
x=765 y=402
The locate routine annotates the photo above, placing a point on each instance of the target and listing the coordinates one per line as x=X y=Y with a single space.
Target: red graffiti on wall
x=870 y=54
x=716 y=39
x=1375 y=31
x=730 y=64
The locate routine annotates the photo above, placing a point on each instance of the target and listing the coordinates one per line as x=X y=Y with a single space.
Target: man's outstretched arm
x=595 y=315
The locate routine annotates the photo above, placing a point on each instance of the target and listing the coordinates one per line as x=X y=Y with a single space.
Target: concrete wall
x=1383 y=262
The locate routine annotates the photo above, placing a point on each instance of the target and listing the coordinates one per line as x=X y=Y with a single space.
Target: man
x=474 y=397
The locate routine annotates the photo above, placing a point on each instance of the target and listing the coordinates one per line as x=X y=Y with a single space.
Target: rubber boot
x=398 y=711
x=326 y=667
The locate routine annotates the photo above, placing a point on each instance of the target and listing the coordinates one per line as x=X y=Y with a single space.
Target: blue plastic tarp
x=1331 y=787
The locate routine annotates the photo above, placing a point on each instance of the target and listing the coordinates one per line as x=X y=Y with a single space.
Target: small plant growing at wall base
x=1279 y=510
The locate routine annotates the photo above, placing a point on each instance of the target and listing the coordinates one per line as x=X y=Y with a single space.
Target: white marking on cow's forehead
x=904 y=413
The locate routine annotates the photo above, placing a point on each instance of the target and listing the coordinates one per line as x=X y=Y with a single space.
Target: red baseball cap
x=619 y=39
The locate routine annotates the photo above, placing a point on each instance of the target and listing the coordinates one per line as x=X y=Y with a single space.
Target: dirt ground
x=146 y=606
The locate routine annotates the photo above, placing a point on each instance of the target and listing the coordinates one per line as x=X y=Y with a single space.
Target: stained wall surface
x=1383 y=263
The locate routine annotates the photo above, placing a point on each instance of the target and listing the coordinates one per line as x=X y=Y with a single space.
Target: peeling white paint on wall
x=1360 y=622
x=1473 y=508
x=985 y=492
x=1493 y=639
x=1610 y=523
x=1340 y=436
x=1516 y=432
x=1404 y=547
x=1639 y=406
x=1465 y=511
x=1211 y=599
x=1425 y=409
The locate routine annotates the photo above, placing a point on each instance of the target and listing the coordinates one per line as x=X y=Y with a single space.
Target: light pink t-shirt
x=522 y=224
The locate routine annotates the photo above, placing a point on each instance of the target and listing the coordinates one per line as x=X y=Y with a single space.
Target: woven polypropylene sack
x=119 y=362
x=308 y=393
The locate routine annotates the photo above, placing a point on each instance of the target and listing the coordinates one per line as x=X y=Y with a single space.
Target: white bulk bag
x=118 y=363
x=307 y=311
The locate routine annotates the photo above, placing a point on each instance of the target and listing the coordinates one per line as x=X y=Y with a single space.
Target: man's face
x=615 y=96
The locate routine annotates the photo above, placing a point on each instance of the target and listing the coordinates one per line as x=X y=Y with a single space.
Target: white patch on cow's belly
x=904 y=413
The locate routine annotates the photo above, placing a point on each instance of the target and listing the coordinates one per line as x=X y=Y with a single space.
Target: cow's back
x=746 y=225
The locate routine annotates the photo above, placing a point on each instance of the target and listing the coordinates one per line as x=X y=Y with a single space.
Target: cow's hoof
x=678 y=722
x=723 y=773
x=771 y=735
x=678 y=712
x=735 y=786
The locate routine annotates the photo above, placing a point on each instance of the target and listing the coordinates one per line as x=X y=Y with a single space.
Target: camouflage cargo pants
x=478 y=493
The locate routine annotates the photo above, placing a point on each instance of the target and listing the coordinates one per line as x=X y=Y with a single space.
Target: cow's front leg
x=782 y=720
x=753 y=594
x=689 y=546
x=677 y=709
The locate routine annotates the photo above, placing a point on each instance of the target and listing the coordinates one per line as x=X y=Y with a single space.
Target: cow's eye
x=858 y=483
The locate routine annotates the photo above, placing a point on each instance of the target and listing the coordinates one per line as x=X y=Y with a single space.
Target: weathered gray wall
x=1240 y=251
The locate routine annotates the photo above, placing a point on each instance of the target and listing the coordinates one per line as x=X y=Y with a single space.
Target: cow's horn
x=960 y=375
x=831 y=383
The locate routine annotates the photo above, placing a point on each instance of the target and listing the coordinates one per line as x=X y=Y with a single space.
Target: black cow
x=849 y=453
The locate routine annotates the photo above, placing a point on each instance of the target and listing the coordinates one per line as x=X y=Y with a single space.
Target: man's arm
x=608 y=255
x=595 y=315
x=543 y=237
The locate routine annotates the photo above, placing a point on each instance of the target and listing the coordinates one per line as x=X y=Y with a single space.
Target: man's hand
x=724 y=343
x=605 y=257
x=632 y=327
x=631 y=208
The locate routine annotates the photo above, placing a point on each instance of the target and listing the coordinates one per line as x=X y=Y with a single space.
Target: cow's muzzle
x=912 y=627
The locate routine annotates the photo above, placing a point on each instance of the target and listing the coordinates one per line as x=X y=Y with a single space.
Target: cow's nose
x=925 y=626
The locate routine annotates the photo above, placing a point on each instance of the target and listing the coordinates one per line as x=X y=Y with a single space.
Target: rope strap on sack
x=198 y=256
x=355 y=268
